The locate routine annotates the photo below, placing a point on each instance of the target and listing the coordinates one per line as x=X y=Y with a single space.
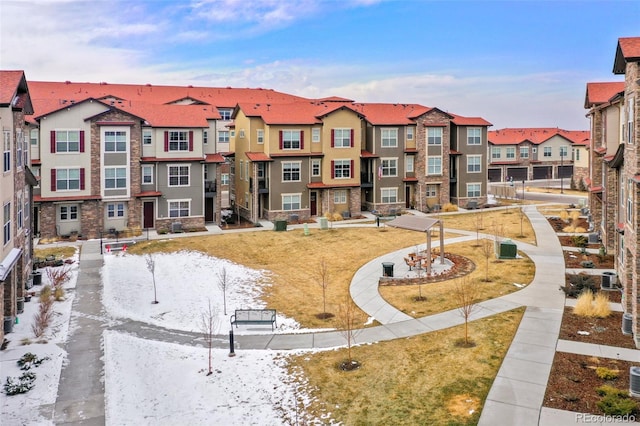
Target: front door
x=148 y=219
x=407 y=197
x=313 y=196
x=208 y=209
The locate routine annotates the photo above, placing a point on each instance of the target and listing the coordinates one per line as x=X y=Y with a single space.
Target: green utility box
x=281 y=225
x=506 y=249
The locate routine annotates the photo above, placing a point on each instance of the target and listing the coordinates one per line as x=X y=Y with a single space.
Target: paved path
x=515 y=398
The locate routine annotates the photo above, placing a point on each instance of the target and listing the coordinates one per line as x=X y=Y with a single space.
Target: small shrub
x=601 y=308
x=569 y=228
x=29 y=360
x=45 y=293
x=606 y=373
x=574 y=215
x=584 y=304
x=58 y=293
x=22 y=384
x=450 y=208
x=617 y=405
x=579 y=240
x=579 y=283
x=608 y=390
x=564 y=215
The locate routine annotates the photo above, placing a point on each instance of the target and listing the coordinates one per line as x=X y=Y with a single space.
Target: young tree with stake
x=208 y=326
x=151 y=266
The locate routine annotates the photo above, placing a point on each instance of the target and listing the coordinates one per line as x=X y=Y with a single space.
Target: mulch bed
x=567 y=241
x=602 y=331
x=461 y=267
x=558 y=224
x=574 y=259
x=614 y=296
x=573 y=382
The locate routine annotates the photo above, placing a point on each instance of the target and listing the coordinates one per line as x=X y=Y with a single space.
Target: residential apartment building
x=536 y=153
x=16 y=182
x=614 y=110
x=114 y=157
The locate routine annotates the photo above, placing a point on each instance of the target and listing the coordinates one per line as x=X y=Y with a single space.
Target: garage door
x=495 y=175
x=542 y=172
x=565 y=171
x=517 y=173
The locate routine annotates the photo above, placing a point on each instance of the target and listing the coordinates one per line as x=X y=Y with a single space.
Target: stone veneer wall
x=610 y=210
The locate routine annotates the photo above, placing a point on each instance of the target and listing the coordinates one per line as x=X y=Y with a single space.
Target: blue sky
x=515 y=63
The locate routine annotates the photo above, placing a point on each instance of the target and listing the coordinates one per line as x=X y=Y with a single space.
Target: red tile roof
x=213 y=158
x=170 y=159
x=469 y=121
x=630 y=47
x=258 y=156
x=515 y=136
x=367 y=154
x=327 y=185
x=379 y=114
x=600 y=93
x=148 y=194
x=9 y=83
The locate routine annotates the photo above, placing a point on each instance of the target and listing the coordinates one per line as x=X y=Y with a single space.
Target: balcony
x=366 y=180
x=263 y=185
x=210 y=186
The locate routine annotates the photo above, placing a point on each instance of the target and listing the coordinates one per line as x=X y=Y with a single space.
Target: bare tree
x=487 y=249
x=208 y=326
x=349 y=319
x=478 y=224
x=322 y=278
x=466 y=293
x=224 y=283
x=419 y=273
x=151 y=266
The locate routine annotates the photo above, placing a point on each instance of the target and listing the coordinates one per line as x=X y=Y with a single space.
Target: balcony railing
x=210 y=186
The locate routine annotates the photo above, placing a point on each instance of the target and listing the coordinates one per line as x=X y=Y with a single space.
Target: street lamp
x=561 y=171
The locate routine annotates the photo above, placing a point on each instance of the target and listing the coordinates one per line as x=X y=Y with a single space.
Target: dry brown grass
x=60 y=252
x=508 y=220
x=293 y=258
x=421 y=380
x=438 y=295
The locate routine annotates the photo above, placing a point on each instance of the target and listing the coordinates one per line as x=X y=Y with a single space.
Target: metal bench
x=255 y=317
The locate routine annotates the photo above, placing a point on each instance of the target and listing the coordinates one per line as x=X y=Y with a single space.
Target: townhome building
x=620 y=172
x=605 y=104
x=112 y=157
x=520 y=154
x=16 y=183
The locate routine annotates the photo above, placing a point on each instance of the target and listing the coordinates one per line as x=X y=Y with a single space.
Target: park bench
x=117 y=246
x=254 y=316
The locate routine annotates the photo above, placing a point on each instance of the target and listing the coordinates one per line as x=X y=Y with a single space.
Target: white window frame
x=524 y=152
x=316 y=168
x=34 y=136
x=291 y=139
x=179 y=208
x=223 y=136
x=260 y=136
x=474 y=163
x=496 y=153
x=6 y=167
x=547 y=152
x=511 y=153
x=474 y=189
x=224 y=179
x=409 y=163
x=115 y=176
x=177 y=171
x=474 y=136
x=389 y=138
x=389 y=195
x=389 y=167
x=434 y=165
x=434 y=136
x=630 y=119
x=291 y=171
x=115 y=210
x=630 y=195
x=70 y=146
x=315 y=134
x=63 y=175
x=342 y=165
x=147 y=136
x=205 y=137
x=241 y=134
x=225 y=114
x=431 y=191
x=147 y=172
x=117 y=145
x=410 y=133
x=19 y=217
x=291 y=202
x=339 y=138
x=6 y=223
x=69 y=213
x=564 y=151
x=19 y=146
x=340 y=196
x=178 y=141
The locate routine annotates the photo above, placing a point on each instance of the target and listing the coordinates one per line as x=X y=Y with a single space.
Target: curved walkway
x=516 y=395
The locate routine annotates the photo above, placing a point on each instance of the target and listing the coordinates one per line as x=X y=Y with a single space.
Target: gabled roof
x=14 y=91
x=469 y=121
x=600 y=93
x=536 y=136
x=379 y=114
x=296 y=113
x=628 y=50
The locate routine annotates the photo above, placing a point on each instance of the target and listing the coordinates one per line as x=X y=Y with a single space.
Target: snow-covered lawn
x=160 y=383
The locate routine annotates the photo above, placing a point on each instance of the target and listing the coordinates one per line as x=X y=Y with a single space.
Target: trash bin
x=37 y=278
x=281 y=225
x=8 y=325
x=608 y=280
x=20 y=304
x=387 y=269
x=324 y=223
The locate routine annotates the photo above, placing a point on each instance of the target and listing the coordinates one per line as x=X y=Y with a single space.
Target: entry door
x=313 y=195
x=148 y=212
x=407 y=197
